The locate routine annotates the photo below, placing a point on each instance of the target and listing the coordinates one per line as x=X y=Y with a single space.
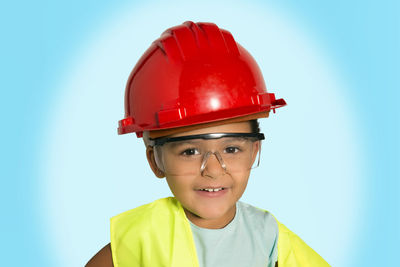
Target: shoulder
x=131 y=223
x=103 y=258
x=157 y=205
x=292 y=249
x=140 y=216
x=139 y=234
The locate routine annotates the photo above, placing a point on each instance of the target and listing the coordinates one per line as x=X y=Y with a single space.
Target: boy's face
x=188 y=181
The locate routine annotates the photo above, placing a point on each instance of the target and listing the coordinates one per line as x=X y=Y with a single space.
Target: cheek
x=241 y=180
x=178 y=184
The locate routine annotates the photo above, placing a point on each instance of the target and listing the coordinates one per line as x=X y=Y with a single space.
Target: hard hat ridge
x=199 y=40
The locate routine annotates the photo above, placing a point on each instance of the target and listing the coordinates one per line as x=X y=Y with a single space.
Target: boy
x=195 y=97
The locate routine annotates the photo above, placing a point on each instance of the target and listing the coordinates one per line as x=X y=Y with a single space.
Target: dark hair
x=255 y=126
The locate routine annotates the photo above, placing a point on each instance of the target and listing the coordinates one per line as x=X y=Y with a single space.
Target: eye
x=232 y=150
x=190 y=152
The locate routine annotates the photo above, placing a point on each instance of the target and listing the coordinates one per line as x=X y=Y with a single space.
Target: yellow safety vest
x=159 y=234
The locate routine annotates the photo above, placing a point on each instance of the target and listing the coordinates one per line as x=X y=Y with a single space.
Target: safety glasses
x=189 y=155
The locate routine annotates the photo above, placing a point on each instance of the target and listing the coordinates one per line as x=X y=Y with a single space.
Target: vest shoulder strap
x=155 y=234
x=294 y=252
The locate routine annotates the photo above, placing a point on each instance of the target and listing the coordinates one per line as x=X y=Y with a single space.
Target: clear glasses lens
x=191 y=157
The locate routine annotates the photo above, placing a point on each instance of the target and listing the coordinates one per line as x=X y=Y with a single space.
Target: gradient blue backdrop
x=41 y=38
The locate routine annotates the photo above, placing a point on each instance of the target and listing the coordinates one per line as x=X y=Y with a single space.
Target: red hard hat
x=194 y=73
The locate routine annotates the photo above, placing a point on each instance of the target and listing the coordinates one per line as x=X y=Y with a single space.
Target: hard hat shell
x=194 y=73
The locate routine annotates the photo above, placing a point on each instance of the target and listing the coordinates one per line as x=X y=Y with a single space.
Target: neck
x=211 y=223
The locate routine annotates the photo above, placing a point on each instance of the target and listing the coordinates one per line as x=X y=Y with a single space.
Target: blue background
x=41 y=38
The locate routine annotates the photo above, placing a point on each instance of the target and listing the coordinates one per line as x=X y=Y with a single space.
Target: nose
x=212 y=165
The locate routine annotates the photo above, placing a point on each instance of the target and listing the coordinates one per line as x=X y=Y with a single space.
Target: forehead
x=238 y=127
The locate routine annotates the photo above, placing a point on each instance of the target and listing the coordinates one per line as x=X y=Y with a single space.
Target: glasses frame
x=162 y=140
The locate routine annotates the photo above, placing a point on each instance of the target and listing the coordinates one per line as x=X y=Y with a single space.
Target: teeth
x=212 y=190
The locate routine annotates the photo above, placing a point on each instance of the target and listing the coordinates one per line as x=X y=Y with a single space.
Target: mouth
x=212 y=189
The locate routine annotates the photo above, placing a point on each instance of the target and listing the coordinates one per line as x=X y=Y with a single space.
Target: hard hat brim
x=166 y=132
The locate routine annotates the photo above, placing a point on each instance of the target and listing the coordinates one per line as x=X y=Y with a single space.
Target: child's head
x=207 y=169
x=195 y=96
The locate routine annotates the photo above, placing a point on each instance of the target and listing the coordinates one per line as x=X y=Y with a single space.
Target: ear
x=152 y=162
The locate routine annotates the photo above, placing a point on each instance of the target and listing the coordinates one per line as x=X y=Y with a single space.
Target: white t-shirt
x=250 y=239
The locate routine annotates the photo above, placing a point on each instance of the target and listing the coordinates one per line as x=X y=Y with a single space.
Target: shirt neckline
x=226 y=228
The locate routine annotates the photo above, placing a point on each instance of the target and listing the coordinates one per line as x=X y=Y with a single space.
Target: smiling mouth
x=212 y=189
